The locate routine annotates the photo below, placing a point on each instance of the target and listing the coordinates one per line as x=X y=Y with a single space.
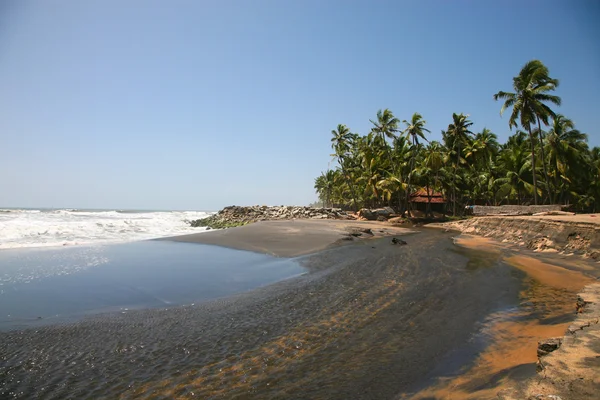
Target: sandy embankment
x=292 y=238
x=572 y=371
x=576 y=234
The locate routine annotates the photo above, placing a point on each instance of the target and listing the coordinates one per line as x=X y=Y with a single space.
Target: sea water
x=61 y=227
x=47 y=285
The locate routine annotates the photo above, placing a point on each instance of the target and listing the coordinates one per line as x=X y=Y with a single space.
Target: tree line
x=546 y=161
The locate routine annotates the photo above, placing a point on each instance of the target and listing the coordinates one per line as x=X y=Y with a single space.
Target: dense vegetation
x=546 y=161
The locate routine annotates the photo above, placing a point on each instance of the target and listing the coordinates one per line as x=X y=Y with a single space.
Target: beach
x=293 y=238
x=370 y=319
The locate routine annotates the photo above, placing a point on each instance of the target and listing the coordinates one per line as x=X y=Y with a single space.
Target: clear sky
x=201 y=104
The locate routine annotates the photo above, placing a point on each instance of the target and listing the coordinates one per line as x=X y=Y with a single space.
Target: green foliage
x=382 y=167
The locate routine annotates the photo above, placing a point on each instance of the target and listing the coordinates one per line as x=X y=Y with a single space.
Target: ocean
x=66 y=227
x=58 y=265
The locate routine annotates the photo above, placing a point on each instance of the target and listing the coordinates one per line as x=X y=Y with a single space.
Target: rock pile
x=237 y=215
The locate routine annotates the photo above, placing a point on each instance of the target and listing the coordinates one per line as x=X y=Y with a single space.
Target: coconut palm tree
x=324 y=185
x=432 y=165
x=415 y=129
x=458 y=135
x=531 y=89
x=515 y=167
x=386 y=125
x=566 y=150
x=384 y=128
x=341 y=142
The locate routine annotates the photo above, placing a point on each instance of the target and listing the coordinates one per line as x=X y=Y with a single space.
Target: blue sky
x=201 y=104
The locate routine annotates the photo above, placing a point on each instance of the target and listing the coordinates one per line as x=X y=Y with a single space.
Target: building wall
x=513 y=210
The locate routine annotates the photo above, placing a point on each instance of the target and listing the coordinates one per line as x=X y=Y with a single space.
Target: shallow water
x=42 y=286
x=370 y=321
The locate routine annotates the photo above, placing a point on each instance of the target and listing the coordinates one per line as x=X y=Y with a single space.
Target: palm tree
x=566 y=148
x=432 y=164
x=594 y=187
x=386 y=125
x=324 y=185
x=531 y=88
x=384 y=128
x=483 y=149
x=515 y=168
x=341 y=142
x=458 y=135
x=414 y=130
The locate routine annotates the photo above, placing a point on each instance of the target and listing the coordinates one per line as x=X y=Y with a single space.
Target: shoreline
x=571 y=370
x=366 y=307
x=354 y=321
x=294 y=237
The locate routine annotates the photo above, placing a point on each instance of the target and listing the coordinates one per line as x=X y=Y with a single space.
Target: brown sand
x=290 y=238
x=550 y=294
x=551 y=275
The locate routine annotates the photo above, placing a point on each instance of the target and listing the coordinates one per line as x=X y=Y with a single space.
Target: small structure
x=423 y=198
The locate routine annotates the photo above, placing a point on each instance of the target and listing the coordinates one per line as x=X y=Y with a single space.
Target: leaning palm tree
x=341 y=143
x=531 y=88
x=415 y=129
x=459 y=134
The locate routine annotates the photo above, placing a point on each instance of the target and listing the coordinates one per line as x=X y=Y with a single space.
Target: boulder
x=385 y=212
x=548 y=346
x=367 y=214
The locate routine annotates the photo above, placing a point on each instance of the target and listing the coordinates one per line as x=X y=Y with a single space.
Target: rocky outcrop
x=237 y=215
x=538 y=234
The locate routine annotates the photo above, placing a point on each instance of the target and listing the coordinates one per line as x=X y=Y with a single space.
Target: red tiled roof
x=423 y=192
x=424 y=199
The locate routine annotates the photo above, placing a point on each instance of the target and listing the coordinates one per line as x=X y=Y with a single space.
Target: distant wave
x=62 y=227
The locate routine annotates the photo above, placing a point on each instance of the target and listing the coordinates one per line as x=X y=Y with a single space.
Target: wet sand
x=507 y=366
x=291 y=238
x=371 y=320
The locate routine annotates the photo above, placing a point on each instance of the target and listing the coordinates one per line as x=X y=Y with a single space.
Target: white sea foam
x=43 y=228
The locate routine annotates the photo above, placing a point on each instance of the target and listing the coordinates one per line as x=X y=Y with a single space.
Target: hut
x=420 y=199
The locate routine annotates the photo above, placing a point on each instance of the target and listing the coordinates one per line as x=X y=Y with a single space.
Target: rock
x=396 y=220
x=398 y=241
x=385 y=212
x=235 y=215
x=548 y=346
x=367 y=214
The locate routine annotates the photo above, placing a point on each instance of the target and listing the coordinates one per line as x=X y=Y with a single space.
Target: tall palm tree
x=386 y=125
x=594 y=187
x=341 y=142
x=566 y=149
x=433 y=162
x=458 y=134
x=384 y=128
x=483 y=149
x=531 y=88
x=515 y=169
x=415 y=129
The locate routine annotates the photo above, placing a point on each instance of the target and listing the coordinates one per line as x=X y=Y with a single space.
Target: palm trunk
x=412 y=163
x=535 y=194
x=550 y=194
x=393 y=169
x=428 y=212
x=454 y=181
x=350 y=185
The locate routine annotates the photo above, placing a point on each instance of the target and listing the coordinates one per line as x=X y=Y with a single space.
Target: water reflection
x=43 y=286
